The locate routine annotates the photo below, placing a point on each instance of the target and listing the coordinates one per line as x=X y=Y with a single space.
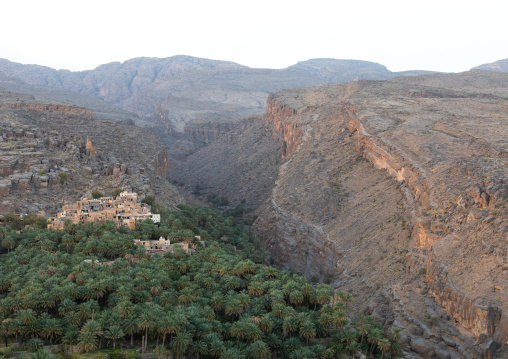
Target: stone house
x=125 y=210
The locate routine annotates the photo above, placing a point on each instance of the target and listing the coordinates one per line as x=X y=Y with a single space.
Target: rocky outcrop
x=90 y=148
x=45 y=107
x=445 y=152
x=208 y=132
x=51 y=152
x=278 y=119
x=161 y=164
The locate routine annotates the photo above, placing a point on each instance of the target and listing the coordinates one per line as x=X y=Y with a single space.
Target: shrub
x=34 y=344
x=5 y=351
x=117 y=191
x=42 y=172
x=63 y=177
x=36 y=221
x=96 y=194
x=149 y=200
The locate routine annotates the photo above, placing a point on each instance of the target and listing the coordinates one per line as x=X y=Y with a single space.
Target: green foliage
x=5 y=352
x=149 y=200
x=42 y=172
x=63 y=177
x=217 y=202
x=90 y=284
x=97 y=194
x=34 y=344
x=36 y=221
x=12 y=220
x=117 y=191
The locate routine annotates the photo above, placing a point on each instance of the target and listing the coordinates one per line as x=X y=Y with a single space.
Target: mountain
x=391 y=187
x=400 y=184
x=500 y=65
x=188 y=101
x=394 y=190
x=192 y=88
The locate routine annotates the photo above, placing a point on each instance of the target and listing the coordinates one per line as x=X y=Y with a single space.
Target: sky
x=444 y=35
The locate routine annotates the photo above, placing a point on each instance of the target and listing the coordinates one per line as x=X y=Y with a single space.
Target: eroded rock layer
x=392 y=185
x=52 y=152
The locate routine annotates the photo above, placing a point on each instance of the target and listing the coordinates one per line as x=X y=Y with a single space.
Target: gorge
x=394 y=188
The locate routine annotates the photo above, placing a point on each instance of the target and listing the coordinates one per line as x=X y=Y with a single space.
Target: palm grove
x=89 y=286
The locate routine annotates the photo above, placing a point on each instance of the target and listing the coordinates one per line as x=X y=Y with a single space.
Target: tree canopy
x=90 y=284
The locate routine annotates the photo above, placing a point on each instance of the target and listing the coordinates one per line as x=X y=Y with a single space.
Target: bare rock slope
x=51 y=152
x=241 y=165
x=398 y=191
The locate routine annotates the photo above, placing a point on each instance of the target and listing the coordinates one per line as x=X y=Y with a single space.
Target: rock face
x=241 y=165
x=51 y=152
x=386 y=183
x=278 y=117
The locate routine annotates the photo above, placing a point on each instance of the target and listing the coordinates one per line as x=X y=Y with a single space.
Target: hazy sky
x=444 y=35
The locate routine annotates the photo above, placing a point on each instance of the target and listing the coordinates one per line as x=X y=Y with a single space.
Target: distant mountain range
x=501 y=66
x=189 y=88
x=184 y=90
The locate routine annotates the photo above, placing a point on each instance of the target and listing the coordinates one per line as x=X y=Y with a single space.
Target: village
x=124 y=210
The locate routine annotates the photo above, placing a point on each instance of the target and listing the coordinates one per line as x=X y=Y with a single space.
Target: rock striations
x=393 y=186
x=51 y=152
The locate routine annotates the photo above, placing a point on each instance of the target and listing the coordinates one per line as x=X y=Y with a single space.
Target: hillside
x=394 y=190
x=408 y=175
x=500 y=65
x=53 y=151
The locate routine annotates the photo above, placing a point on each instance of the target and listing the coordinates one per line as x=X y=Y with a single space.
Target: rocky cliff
x=393 y=182
x=51 y=152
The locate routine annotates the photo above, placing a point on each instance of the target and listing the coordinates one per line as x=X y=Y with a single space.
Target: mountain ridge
x=499 y=65
x=140 y=85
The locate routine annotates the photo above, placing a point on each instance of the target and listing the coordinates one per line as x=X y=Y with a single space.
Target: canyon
x=181 y=95
x=398 y=190
x=391 y=186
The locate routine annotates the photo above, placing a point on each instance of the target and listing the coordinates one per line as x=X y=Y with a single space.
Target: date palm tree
x=199 y=348
x=130 y=326
x=181 y=342
x=307 y=330
x=258 y=349
x=87 y=341
x=51 y=328
x=146 y=323
x=114 y=332
x=167 y=325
